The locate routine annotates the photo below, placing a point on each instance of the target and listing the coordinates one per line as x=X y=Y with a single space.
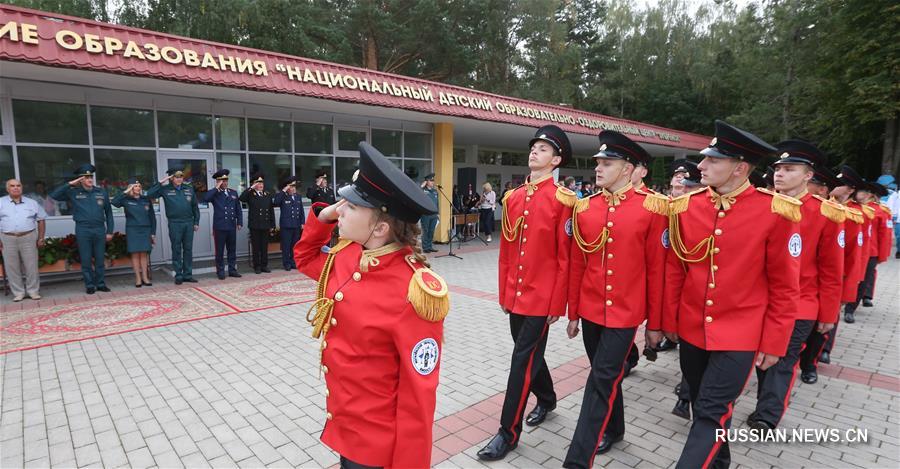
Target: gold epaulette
x=656 y=203
x=886 y=209
x=680 y=204
x=868 y=211
x=428 y=292
x=854 y=215
x=566 y=196
x=787 y=207
x=832 y=210
x=583 y=203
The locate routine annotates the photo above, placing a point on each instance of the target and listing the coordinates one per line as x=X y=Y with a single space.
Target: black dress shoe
x=191 y=280
x=234 y=273
x=867 y=302
x=825 y=357
x=606 y=443
x=496 y=449
x=220 y=275
x=682 y=409
x=104 y=288
x=288 y=269
x=848 y=318
x=758 y=424
x=809 y=377
x=148 y=284
x=265 y=269
x=138 y=285
x=90 y=290
x=178 y=281
x=537 y=415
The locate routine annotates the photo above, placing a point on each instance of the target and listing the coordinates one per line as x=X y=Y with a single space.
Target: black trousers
x=716 y=379
x=815 y=343
x=486 y=220
x=602 y=409
x=289 y=237
x=225 y=240
x=684 y=390
x=348 y=464
x=865 y=285
x=259 y=247
x=527 y=373
x=774 y=384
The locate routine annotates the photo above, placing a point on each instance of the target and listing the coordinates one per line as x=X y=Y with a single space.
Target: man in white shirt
x=21 y=234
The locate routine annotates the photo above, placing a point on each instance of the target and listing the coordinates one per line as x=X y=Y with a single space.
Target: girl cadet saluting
x=140 y=229
x=379 y=312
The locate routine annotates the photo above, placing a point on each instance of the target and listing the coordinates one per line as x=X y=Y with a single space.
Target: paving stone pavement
x=244 y=391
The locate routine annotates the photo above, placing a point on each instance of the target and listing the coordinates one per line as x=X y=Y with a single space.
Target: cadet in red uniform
x=868 y=253
x=618 y=259
x=821 y=270
x=731 y=283
x=821 y=185
x=882 y=236
x=379 y=313
x=534 y=274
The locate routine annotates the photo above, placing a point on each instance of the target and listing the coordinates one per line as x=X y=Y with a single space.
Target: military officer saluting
x=291 y=220
x=617 y=268
x=732 y=277
x=379 y=313
x=534 y=275
x=821 y=272
x=227 y=220
x=261 y=221
x=183 y=215
x=94 y=224
x=320 y=191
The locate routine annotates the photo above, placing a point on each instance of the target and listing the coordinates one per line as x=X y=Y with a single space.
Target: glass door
x=198 y=168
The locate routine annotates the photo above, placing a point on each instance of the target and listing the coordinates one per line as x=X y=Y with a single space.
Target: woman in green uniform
x=140 y=229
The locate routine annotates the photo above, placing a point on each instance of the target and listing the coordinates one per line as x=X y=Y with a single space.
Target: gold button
x=518 y=293
x=709 y=302
x=609 y=256
x=522 y=253
x=608 y=302
x=721 y=214
x=715 y=268
x=609 y=240
x=527 y=199
x=338 y=296
x=608 y=287
x=609 y=224
x=709 y=319
x=327 y=392
x=612 y=209
x=333 y=322
x=357 y=276
x=716 y=250
x=520 y=267
x=524 y=240
x=520 y=280
x=525 y=226
x=324 y=369
x=526 y=212
x=329 y=416
x=609 y=272
x=712 y=285
x=718 y=231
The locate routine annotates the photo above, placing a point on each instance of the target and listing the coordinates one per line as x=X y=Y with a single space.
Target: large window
x=306 y=168
x=388 y=142
x=266 y=135
x=235 y=163
x=348 y=140
x=180 y=130
x=45 y=168
x=312 y=138
x=344 y=169
x=417 y=169
x=274 y=168
x=122 y=127
x=230 y=133
x=114 y=167
x=7 y=170
x=44 y=122
x=417 y=145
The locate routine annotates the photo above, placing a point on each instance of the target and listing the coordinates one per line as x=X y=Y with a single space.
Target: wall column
x=443 y=176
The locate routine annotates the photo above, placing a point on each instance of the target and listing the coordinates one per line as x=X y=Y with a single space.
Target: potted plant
x=52 y=255
x=117 y=251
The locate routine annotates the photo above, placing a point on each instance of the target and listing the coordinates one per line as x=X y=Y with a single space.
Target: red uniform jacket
x=379 y=358
x=534 y=249
x=741 y=297
x=854 y=261
x=882 y=232
x=821 y=262
x=618 y=261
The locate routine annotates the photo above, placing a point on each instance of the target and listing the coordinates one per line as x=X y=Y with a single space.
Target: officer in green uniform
x=184 y=219
x=94 y=224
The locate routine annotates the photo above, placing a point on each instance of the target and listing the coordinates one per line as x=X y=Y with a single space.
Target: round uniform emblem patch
x=569 y=227
x=841 y=239
x=859 y=239
x=425 y=356
x=665 y=238
x=795 y=245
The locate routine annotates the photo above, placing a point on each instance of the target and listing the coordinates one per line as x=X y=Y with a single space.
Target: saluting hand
x=165 y=180
x=329 y=214
x=75 y=182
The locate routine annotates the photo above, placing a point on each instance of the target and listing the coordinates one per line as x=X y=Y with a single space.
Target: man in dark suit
x=321 y=191
x=227 y=219
x=261 y=221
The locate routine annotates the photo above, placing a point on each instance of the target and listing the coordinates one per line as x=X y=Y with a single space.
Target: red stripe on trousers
x=725 y=416
x=526 y=388
x=612 y=398
x=787 y=397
